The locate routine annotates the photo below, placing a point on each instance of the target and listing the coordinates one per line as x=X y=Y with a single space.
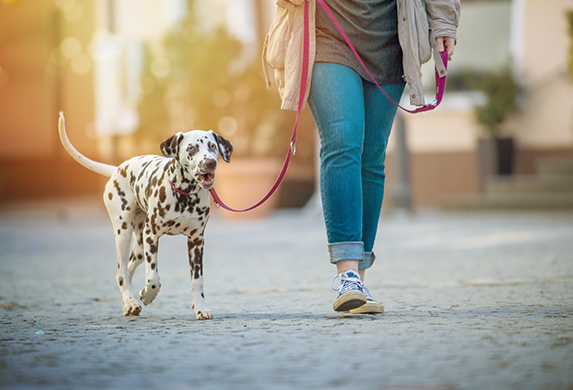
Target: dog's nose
x=210 y=164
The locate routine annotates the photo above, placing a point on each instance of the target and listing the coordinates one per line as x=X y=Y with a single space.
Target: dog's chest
x=179 y=214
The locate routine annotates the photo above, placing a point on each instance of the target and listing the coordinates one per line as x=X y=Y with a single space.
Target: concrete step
x=508 y=201
x=555 y=166
x=531 y=184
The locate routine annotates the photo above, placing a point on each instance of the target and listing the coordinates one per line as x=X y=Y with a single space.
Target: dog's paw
x=201 y=311
x=131 y=307
x=149 y=293
x=203 y=314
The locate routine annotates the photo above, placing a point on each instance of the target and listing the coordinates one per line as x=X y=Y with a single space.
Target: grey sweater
x=372 y=28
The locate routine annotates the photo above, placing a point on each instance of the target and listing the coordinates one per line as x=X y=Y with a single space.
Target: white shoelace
x=347 y=283
x=367 y=292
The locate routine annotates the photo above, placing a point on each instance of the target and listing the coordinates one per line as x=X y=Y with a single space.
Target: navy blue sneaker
x=350 y=291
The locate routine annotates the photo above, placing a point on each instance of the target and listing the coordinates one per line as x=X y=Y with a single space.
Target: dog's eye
x=213 y=146
x=191 y=149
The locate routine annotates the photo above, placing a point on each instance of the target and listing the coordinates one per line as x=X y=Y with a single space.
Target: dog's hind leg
x=136 y=257
x=195 y=247
x=121 y=215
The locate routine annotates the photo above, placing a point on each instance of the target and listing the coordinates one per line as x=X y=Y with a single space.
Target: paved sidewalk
x=473 y=301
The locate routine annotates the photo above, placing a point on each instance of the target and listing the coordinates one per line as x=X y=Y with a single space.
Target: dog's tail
x=102 y=169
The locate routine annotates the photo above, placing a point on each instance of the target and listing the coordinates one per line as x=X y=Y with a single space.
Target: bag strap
x=440 y=80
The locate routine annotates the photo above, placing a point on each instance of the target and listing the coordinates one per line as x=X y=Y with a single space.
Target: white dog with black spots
x=149 y=196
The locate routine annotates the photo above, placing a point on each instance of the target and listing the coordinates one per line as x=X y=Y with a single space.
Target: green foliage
x=209 y=85
x=153 y=118
x=501 y=91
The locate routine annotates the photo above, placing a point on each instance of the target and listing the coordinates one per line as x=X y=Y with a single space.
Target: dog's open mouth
x=206 y=180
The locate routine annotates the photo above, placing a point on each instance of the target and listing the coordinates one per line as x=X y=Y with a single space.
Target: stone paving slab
x=473 y=301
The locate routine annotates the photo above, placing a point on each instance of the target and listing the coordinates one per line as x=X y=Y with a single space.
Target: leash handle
x=440 y=81
x=292 y=146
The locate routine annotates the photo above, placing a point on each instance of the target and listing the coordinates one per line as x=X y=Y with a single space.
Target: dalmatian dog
x=149 y=196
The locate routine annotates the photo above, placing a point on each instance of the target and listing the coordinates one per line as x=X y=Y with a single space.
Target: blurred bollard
x=400 y=194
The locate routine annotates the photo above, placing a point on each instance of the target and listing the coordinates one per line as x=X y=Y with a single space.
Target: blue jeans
x=354 y=120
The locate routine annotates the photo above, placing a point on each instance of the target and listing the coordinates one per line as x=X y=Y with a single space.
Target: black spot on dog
x=110 y=196
x=153 y=267
x=124 y=225
x=120 y=282
x=152 y=245
x=120 y=192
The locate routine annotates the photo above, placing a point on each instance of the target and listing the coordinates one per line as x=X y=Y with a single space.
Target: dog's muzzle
x=207 y=179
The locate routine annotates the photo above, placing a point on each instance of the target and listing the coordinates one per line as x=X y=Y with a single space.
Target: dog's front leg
x=195 y=246
x=152 y=281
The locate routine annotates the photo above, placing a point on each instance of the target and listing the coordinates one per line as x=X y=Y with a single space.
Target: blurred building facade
x=84 y=57
x=529 y=36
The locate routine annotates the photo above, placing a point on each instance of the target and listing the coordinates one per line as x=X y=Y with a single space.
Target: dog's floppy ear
x=225 y=147
x=170 y=146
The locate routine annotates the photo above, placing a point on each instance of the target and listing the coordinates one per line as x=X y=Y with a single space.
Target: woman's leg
x=337 y=104
x=379 y=117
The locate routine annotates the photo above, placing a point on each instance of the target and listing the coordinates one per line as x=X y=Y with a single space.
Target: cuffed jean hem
x=351 y=251
x=368 y=260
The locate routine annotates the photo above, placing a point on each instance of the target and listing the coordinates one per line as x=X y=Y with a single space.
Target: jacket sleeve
x=444 y=17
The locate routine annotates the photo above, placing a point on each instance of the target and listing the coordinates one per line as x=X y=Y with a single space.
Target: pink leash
x=440 y=88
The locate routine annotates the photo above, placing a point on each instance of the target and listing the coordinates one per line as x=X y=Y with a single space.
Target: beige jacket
x=282 y=51
x=417 y=28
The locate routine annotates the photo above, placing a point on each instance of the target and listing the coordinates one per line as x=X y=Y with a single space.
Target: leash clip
x=293 y=148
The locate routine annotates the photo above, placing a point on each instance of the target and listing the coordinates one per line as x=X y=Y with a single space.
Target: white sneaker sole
x=369 y=308
x=349 y=301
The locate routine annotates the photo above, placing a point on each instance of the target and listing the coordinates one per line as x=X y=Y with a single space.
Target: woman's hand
x=446 y=43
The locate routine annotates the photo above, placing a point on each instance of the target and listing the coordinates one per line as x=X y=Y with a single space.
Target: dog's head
x=197 y=152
